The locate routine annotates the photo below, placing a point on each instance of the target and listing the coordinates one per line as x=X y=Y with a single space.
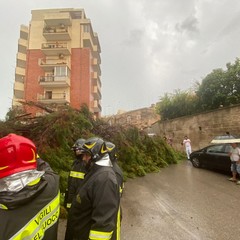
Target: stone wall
x=200 y=128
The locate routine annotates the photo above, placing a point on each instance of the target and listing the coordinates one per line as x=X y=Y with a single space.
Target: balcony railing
x=57 y=33
x=55 y=48
x=49 y=64
x=51 y=97
x=54 y=81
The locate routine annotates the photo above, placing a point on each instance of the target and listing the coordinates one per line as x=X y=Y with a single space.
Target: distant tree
x=179 y=104
x=212 y=90
x=220 y=88
x=232 y=82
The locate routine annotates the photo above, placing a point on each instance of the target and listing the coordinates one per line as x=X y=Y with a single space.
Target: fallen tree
x=55 y=133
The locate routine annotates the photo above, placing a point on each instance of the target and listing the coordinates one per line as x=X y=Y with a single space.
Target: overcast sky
x=149 y=47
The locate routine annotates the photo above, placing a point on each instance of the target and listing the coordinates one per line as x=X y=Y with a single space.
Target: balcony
x=20 y=71
x=97 y=106
x=96 y=66
x=49 y=64
x=54 y=81
x=57 y=33
x=51 y=97
x=55 y=49
x=56 y=19
x=96 y=79
x=94 y=75
x=96 y=93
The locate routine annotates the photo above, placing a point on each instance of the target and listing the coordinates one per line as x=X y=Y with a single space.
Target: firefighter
x=75 y=178
x=93 y=213
x=76 y=174
x=112 y=151
x=29 y=199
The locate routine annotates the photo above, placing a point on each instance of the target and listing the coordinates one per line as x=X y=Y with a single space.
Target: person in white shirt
x=188 y=148
x=235 y=161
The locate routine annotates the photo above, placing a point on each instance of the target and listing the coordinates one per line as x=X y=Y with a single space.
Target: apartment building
x=58 y=62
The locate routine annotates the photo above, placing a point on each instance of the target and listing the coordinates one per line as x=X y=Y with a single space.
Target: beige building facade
x=58 y=61
x=142 y=118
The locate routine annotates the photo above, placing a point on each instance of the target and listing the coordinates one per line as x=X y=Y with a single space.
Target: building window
x=48 y=94
x=19 y=78
x=21 y=63
x=23 y=35
x=86 y=28
x=18 y=94
x=60 y=71
x=22 y=49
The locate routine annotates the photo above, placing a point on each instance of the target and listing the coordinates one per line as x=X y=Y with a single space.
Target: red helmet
x=17 y=154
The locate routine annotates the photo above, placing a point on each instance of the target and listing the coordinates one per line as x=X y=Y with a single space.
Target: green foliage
x=212 y=91
x=177 y=105
x=55 y=133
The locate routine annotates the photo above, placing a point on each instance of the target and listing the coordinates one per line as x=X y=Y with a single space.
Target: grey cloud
x=135 y=37
x=190 y=25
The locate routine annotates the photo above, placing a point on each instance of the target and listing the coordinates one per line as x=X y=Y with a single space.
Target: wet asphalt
x=179 y=203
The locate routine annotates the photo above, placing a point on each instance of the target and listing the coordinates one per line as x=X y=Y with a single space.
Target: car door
x=225 y=162
x=213 y=156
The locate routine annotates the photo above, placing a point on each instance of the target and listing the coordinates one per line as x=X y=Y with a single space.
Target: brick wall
x=33 y=71
x=80 y=78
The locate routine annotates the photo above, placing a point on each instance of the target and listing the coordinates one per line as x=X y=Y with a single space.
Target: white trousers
x=188 y=151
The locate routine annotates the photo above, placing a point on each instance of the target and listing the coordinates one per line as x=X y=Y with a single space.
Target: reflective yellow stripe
x=43 y=220
x=69 y=205
x=2 y=206
x=34 y=182
x=118 y=224
x=96 y=235
x=1 y=168
x=77 y=174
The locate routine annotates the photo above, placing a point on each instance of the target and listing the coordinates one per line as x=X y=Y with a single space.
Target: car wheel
x=196 y=163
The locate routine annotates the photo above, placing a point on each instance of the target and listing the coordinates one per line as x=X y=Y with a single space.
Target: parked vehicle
x=213 y=157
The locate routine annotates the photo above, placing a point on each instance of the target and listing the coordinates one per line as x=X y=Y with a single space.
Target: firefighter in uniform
x=29 y=199
x=76 y=174
x=75 y=179
x=112 y=151
x=93 y=214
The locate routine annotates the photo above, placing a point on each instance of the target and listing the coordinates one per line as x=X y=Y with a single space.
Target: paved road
x=180 y=203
